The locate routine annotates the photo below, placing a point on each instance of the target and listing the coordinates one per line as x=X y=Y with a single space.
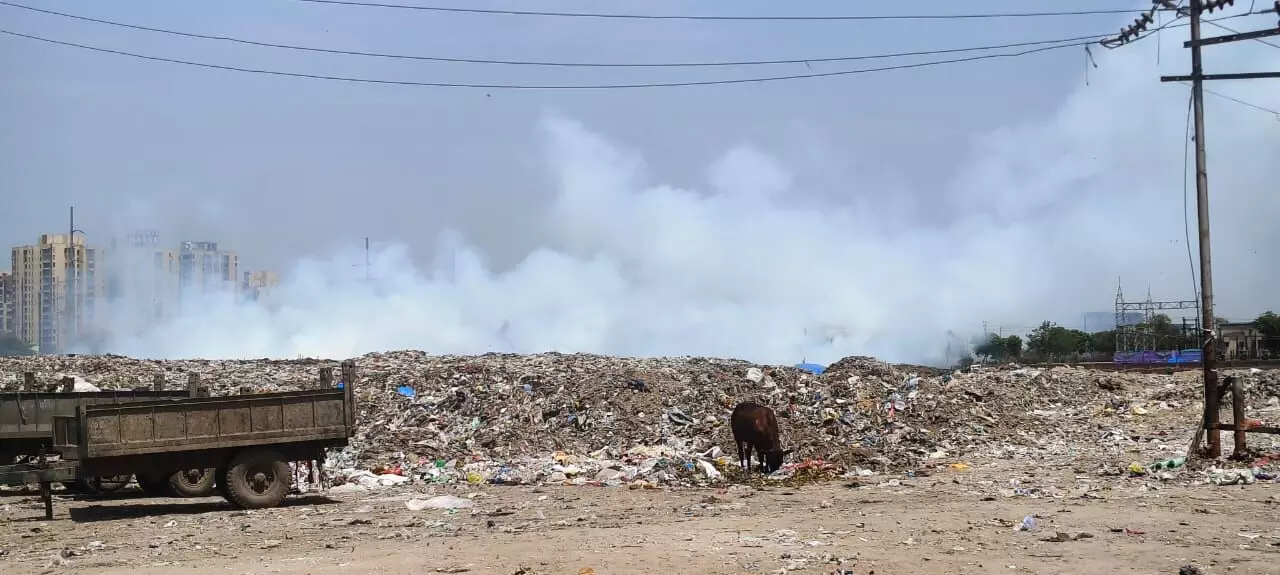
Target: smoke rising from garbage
x=1039 y=224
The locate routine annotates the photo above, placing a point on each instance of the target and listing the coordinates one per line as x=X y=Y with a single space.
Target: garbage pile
x=117 y=372
x=589 y=419
x=1261 y=386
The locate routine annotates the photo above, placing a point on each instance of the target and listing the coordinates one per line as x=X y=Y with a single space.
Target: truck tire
x=192 y=482
x=257 y=479
x=221 y=484
x=153 y=485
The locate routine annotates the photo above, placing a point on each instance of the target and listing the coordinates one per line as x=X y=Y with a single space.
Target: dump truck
x=248 y=440
x=26 y=431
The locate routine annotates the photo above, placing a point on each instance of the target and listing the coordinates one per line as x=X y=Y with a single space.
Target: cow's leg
x=742 y=462
x=746 y=461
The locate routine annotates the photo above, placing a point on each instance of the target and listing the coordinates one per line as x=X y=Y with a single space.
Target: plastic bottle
x=1170 y=463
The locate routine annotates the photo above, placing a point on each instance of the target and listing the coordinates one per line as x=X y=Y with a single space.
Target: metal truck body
x=247 y=441
x=26 y=418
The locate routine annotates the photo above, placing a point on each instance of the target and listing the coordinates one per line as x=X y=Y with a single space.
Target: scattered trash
x=1169 y=463
x=1060 y=537
x=811 y=368
x=1231 y=477
x=439 y=502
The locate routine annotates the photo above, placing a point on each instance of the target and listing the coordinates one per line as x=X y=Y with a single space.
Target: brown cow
x=754 y=425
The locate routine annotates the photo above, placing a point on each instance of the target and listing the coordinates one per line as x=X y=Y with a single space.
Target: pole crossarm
x=1240 y=76
x=1254 y=35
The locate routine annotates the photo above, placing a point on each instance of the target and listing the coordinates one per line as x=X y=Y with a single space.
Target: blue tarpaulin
x=811 y=368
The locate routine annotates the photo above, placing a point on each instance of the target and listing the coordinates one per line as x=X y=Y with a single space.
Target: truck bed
x=26 y=418
x=30 y=414
x=206 y=423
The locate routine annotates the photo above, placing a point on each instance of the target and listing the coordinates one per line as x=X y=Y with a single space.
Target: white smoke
x=1044 y=218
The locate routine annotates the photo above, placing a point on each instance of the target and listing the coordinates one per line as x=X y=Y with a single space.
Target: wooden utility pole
x=1212 y=395
x=1208 y=354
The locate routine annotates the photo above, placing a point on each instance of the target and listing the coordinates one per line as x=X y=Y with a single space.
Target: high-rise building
x=57 y=290
x=204 y=270
x=8 y=295
x=144 y=280
x=258 y=285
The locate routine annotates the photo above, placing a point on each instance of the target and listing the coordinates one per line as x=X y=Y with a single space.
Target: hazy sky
x=719 y=220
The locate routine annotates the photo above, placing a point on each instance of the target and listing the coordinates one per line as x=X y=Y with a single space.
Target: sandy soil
x=948 y=523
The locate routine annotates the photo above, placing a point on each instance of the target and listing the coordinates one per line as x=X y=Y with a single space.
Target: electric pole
x=1209 y=358
x=1212 y=395
x=1195 y=11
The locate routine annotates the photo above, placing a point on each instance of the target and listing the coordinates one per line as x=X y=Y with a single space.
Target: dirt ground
x=948 y=523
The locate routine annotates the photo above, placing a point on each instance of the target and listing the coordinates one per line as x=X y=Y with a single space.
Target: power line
x=1241 y=102
x=715 y=17
x=755 y=80
x=552 y=63
x=1186 y=194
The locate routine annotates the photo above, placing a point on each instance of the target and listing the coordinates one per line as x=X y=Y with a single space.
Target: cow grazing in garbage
x=754 y=426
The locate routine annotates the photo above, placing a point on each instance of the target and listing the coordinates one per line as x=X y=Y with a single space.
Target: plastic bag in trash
x=439 y=502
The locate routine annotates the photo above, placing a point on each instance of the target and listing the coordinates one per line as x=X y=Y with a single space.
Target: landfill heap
x=583 y=418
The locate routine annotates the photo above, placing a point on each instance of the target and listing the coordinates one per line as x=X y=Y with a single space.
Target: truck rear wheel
x=192 y=482
x=257 y=479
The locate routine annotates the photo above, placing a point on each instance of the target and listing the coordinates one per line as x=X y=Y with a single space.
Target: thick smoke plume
x=1038 y=224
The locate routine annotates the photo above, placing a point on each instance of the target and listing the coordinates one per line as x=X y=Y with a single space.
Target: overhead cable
x=549 y=63
x=617 y=16
x=502 y=86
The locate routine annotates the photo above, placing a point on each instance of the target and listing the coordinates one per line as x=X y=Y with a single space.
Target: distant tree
x=1052 y=341
x=1104 y=341
x=1168 y=335
x=989 y=346
x=1161 y=325
x=1268 y=325
x=12 y=345
x=999 y=348
x=1013 y=346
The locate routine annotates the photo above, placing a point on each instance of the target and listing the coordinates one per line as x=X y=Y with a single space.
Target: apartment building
x=144 y=280
x=258 y=285
x=7 y=302
x=57 y=290
x=206 y=272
